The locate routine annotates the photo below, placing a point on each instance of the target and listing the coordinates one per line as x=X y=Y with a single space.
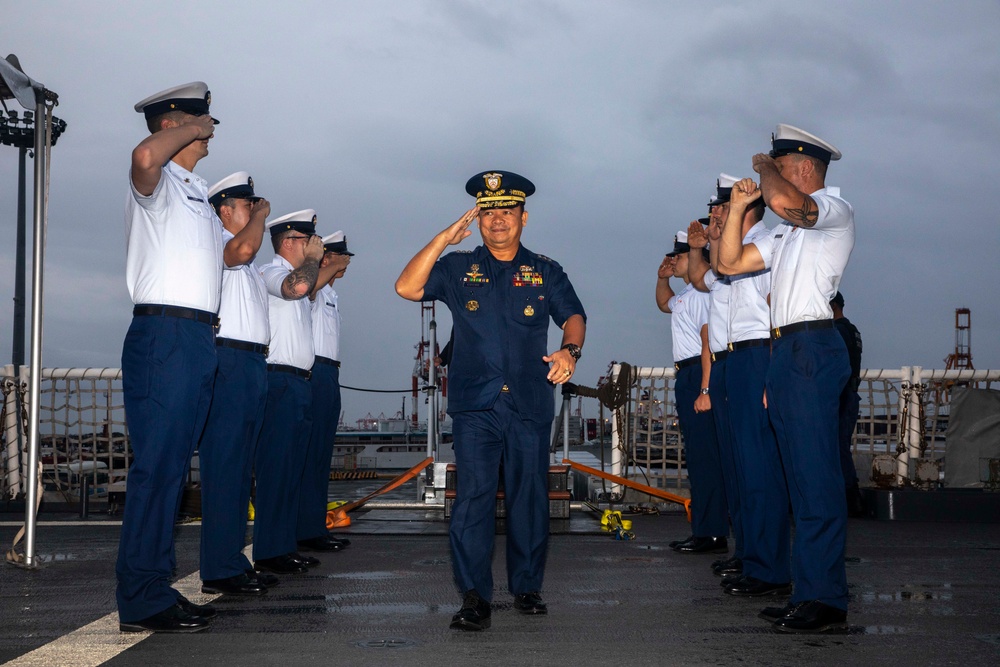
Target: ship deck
x=920 y=593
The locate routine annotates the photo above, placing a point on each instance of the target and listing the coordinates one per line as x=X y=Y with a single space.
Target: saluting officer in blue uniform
x=807 y=255
x=173 y=269
x=501 y=296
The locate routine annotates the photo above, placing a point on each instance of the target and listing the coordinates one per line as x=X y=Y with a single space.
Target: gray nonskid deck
x=921 y=593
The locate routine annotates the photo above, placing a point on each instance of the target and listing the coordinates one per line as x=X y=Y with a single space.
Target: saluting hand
x=666 y=268
x=763 y=161
x=745 y=192
x=459 y=230
x=697 y=238
x=314 y=248
x=260 y=207
x=206 y=128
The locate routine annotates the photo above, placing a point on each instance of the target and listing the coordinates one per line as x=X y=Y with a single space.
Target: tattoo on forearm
x=305 y=275
x=805 y=216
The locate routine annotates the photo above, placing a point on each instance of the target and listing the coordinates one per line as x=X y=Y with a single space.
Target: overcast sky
x=623 y=114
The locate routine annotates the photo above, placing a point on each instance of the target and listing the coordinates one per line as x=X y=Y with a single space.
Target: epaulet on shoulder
x=462 y=252
x=547 y=259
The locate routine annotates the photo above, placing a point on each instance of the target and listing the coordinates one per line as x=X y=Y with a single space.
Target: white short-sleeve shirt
x=807 y=263
x=326 y=323
x=289 y=322
x=749 y=314
x=243 y=311
x=173 y=243
x=689 y=310
x=718 y=313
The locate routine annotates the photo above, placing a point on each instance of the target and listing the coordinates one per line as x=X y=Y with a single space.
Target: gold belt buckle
x=777 y=332
x=729 y=346
x=713 y=356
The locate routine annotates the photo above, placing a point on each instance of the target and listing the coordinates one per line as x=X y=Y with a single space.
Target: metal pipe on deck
x=35 y=378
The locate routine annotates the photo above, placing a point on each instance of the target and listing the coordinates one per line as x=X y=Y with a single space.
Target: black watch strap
x=573 y=349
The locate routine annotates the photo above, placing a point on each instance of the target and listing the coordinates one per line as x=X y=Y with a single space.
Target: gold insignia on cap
x=529 y=311
x=208 y=97
x=314 y=220
x=493 y=181
x=472 y=306
x=250 y=181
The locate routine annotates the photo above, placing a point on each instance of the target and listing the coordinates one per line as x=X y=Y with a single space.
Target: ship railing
x=84 y=440
x=900 y=431
x=83 y=436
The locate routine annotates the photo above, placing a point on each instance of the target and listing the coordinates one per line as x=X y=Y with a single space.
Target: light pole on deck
x=38 y=129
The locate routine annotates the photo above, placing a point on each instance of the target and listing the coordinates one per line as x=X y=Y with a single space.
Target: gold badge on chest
x=472 y=306
x=529 y=311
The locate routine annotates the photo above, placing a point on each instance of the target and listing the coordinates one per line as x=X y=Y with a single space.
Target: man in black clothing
x=849 y=403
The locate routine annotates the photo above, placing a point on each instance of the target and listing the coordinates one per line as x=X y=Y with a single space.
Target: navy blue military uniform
x=849 y=399
x=502 y=405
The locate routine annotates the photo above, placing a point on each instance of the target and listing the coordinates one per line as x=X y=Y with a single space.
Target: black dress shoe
x=265 y=579
x=280 y=565
x=772 y=614
x=749 y=587
x=733 y=566
x=474 y=614
x=530 y=603
x=206 y=611
x=337 y=538
x=308 y=561
x=813 y=617
x=171 y=619
x=703 y=545
x=241 y=584
x=676 y=543
x=320 y=544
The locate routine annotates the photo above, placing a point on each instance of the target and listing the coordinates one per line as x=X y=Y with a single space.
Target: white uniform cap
x=234 y=186
x=789 y=140
x=723 y=189
x=303 y=221
x=193 y=98
x=336 y=242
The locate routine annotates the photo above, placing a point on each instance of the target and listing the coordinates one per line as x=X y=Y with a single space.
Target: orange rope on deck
x=337 y=517
x=658 y=493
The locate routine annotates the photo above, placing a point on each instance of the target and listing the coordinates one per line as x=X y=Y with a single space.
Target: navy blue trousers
x=226 y=455
x=278 y=464
x=724 y=435
x=484 y=439
x=709 y=515
x=848 y=419
x=325 y=411
x=763 y=492
x=168 y=368
x=808 y=371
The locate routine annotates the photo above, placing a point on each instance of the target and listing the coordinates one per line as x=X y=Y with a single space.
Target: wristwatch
x=704 y=391
x=574 y=350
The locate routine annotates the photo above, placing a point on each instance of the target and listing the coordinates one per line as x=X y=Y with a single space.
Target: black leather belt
x=294 y=370
x=684 y=363
x=808 y=325
x=719 y=356
x=743 y=344
x=246 y=346
x=202 y=316
x=328 y=361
